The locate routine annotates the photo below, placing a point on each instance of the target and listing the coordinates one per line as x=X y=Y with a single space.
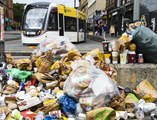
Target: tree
x=18 y=11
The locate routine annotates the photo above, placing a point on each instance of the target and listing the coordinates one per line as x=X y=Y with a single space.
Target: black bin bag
x=146 y=42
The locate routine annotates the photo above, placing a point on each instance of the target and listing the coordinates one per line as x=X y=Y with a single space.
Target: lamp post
x=136 y=15
x=2 y=50
x=74 y=3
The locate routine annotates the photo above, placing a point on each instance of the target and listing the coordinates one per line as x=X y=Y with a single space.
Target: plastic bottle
x=40 y=116
x=140 y=58
x=2 y=115
x=16 y=114
x=139 y=114
x=154 y=114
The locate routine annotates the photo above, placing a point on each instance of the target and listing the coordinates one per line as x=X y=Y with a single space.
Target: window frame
x=67 y=18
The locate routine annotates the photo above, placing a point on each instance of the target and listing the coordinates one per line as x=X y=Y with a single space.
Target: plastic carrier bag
x=88 y=81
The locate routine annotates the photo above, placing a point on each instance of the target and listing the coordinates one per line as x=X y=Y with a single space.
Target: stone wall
x=130 y=75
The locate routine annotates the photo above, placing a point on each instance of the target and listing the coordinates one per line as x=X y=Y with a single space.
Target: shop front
x=148 y=12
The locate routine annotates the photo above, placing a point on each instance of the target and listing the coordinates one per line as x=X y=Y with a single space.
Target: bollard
x=2 y=51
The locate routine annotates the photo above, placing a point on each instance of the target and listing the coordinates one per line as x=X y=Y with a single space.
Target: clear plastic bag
x=88 y=81
x=55 y=44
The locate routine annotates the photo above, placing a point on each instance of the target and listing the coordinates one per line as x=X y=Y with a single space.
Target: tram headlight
x=42 y=32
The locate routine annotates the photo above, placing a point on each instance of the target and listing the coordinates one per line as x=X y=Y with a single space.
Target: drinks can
x=105 y=45
x=56 y=114
x=21 y=86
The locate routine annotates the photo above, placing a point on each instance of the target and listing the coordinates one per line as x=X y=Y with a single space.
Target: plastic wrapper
x=48 y=107
x=44 y=78
x=146 y=107
x=19 y=74
x=130 y=100
x=9 y=59
x=111 y=72
x=118 y=103
x=63 y=68
x=44 y=63
x=68 y=105
x=123 y=42
x=96 y=54
x=9 y=89
x=88 y=81
x=71 y=56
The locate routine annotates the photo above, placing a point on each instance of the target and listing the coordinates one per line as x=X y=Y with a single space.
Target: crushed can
x=55 y=114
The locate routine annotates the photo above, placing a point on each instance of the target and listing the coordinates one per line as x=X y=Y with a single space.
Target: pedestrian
x=112 y=30
x=100 y=29
x=116 y=29
x=104 y=30
x=96 y=29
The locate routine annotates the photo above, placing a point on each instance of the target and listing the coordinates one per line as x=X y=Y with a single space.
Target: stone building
x=84 y=6
x=119 y=12
x=8 y=14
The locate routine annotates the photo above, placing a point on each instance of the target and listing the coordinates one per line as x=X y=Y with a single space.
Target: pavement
x=12 y=35
x=99 y=38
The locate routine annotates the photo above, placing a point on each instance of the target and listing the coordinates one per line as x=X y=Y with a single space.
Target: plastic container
x=131 y=57
x=105 y=45
x=140 y=58
x=107 y=58
x=16 y=114
x=115 y=57
x=123 y=58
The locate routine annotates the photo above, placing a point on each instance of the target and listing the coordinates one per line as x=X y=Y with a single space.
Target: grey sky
x=65 y=2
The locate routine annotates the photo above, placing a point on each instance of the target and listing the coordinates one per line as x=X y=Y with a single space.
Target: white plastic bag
x=88 y=81
x=55 y=44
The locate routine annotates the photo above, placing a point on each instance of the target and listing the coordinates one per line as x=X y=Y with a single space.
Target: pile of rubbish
x=58 y=83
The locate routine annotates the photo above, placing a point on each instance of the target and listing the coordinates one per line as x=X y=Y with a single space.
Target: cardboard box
x=28 y=103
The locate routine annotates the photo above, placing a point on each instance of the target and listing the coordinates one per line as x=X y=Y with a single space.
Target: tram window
x=70 y=24
x=53 y=21
x=81 y=25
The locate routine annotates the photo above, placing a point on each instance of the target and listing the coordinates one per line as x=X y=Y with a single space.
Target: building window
x=123 y=2
x=70 y=24
x=118 y=3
